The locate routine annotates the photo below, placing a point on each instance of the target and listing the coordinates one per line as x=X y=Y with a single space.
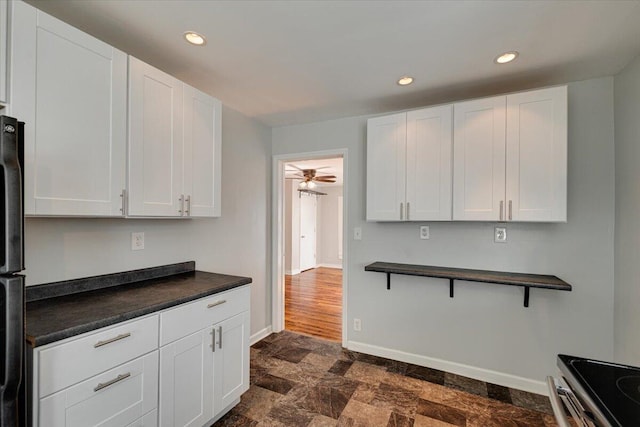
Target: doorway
x=309 y=284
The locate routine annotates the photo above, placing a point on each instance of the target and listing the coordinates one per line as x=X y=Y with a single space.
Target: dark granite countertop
x=60 y=317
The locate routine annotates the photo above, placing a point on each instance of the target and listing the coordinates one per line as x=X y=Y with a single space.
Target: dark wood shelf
x=524 y=280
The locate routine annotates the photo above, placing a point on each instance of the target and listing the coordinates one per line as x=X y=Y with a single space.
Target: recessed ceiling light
x=195 y=38
x=506 y=57
x=405 y=80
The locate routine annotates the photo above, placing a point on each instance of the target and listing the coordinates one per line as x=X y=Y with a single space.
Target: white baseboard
x=291 y=272
x=260 y=335
x=500 y=378
x=331 y=266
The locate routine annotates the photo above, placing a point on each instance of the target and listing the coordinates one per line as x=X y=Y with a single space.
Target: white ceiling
x=289 y=62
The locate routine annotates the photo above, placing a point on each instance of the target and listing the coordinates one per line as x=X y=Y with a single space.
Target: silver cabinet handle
x=408 y=211
x=123 y=201
x=187 y=212
x=401 y=210
x=119 y=378
x=213 y=304
x=213 y=340
x=220 y=337
x=501 y=209
x=110 y=340
x=181 y=200
x=510 y=210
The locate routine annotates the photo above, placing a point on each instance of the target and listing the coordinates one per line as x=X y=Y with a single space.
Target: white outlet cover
x=357 y=233
x=500 y=235
x=137 y=241
x=357 y=325
x=424 y=232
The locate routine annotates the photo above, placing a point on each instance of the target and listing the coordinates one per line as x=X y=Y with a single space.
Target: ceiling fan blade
x=293 y=166
x=294 y=177
x=322 y=179
x=325 y=176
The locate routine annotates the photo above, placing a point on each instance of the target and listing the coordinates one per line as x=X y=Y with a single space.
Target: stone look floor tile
x=469 y=385
x=358 y=414
x=300 y=381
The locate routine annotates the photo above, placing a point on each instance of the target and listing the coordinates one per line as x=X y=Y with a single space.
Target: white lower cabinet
x=206 y=372
x=185 y=366
x=117 y=397
x=186 y=386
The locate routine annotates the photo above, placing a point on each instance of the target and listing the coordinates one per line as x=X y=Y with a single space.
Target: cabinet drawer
x=65 y=364
x=149 y=420
x=115 y=398
x=193 y=316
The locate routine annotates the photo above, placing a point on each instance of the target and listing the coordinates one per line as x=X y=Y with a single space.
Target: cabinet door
x=231 y=360
x=479 y=160
x=115 y=398
x=155 y=142
x=537 y=155
x=386 y=163
x=70 y=89
x=186 y=386
x=429 y=145
x=202 y=153
x=4 y=12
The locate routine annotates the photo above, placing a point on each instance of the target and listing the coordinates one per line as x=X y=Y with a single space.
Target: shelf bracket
x=526 y=296
x=450 y=288
x=388 y=280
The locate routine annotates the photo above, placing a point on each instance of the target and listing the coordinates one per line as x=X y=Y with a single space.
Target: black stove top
x=613 y=388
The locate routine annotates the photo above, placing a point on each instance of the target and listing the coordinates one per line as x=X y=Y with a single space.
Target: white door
x=308 y=216
x=71 y=91
x=429 y=145
x=186 y=386
x=155 y=142
x=202 y=153
x=386 y=157
x=537 y=155
x=479 y=160
x=231 y=360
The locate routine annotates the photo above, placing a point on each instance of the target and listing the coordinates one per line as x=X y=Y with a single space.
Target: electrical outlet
x=500 y=235
x=137 y=241
x=424 y=232
x=357 y=233
x=357 y=325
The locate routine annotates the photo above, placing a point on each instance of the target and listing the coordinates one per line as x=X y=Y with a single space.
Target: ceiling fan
x=308 y=177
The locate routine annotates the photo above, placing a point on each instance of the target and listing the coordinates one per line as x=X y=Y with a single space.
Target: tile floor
x=302 y=381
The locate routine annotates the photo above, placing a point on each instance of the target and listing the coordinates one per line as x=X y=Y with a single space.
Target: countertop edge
x=92 y=326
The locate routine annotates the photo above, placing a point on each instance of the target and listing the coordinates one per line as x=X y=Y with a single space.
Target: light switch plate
x=357 y=233
x=500 y=235
x=137 y=241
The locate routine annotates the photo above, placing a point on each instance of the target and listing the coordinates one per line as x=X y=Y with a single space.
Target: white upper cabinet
x=537 y=155
x=174 y=146
x=409 y=166
x=428 y=193
x=202 y=153
x=70 y=89
x=4 y=38
x=386 y=165
x=479 y=160
x=155 y=142
x=510 y=157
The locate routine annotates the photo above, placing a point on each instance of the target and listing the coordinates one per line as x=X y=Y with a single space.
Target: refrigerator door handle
x=10 y=135
x=14 y=347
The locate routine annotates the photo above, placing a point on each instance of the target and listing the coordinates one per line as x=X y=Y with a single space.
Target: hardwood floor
x=313 y=303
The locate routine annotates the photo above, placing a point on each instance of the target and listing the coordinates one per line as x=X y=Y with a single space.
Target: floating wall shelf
x=527 y=281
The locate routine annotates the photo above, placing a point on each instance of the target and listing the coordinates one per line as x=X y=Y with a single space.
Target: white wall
x=486 y=327
x=627 y=236
x=327 y=236
x=236 y=243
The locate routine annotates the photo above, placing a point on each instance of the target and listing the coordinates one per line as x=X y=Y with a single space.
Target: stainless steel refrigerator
x=12 y=291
